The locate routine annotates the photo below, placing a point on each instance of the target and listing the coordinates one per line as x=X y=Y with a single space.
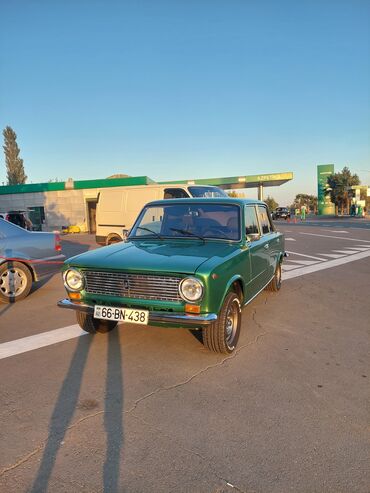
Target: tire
x=222 y=336
x=113 y=239
x=15 y=281
x=275 y=283
x=93 y=325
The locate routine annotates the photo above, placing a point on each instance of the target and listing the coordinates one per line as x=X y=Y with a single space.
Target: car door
x=270 y=238
x=259 y=258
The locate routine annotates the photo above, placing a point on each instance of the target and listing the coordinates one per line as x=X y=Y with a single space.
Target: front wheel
x=92 y=325
x=15 y=281
x=222 y=336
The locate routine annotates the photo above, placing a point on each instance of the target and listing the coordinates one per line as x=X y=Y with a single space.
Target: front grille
x=164 y=288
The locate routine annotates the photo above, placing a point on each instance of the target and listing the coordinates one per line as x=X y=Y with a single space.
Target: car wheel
x=275 y=283
x=222 y=335
x=113 y=239
x=92 y=325
x=15 y=282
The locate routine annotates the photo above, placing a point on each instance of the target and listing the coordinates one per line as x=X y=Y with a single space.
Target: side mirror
x=125 y=233
x=253 y=237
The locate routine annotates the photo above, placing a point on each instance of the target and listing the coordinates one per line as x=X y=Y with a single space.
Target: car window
x=175 y=193
x=264 y=219
x=251 y=222
x=203 y=191
x=214 y=221
x=9 y=229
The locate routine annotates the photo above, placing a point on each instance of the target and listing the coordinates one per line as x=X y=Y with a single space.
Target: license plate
x=121 y=314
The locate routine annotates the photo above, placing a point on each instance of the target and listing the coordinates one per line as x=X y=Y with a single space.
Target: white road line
x=302 y=271
x=336 y=237
x=303 y=262
x=346 y=252
x=37 y=341
x=336 y=231
x=360 y=247
x=305 y=255
x=290 y=239
x=332 y=255
x=289 y=267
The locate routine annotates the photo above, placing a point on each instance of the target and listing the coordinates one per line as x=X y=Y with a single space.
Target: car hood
x=182 y=256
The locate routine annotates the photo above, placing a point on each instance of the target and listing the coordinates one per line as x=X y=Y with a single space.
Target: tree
x=14 y=164
x=340 y=189
x=310 y=201
x=271 y=203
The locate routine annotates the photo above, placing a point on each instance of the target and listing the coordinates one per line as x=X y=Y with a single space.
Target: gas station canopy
x=234 y=182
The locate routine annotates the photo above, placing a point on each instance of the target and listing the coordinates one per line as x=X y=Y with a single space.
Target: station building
x=53 y=205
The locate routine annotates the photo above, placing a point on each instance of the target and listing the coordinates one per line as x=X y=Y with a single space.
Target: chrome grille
x=133 y=285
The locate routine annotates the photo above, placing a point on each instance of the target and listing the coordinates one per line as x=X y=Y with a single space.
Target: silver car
x=25 y=257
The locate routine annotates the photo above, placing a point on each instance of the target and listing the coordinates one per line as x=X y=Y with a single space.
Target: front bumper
x=154 y=317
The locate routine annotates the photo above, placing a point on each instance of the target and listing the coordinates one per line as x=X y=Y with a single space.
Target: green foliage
x=310 y=201
x=340 y=188
x=271 y=203
x=14 y=164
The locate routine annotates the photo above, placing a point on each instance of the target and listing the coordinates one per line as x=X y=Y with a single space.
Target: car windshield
x=196 y=221
x=202 y=191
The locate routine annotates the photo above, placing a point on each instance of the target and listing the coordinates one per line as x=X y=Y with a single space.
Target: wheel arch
x=26 y=264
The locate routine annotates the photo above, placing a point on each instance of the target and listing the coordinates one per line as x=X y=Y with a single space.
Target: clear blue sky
x=187 y=88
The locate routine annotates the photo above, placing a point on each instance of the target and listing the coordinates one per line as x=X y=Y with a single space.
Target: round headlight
x=73 y=280
x=191 y=289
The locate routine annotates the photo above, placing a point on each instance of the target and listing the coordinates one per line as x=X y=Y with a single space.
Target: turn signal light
x=192 y=308
x=75 y=296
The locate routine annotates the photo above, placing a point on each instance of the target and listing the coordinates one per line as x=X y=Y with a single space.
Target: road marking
x=305 y=255
x=290 y=239
x=336 y=237
x=301 y=271
x=332 y=255
x=304 y=262
x=360 y=247
x=37 y=341
x=346 y=252
x=289 y=267
x=336 y=231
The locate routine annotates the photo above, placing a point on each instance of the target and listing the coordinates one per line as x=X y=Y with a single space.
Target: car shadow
x=65 y=407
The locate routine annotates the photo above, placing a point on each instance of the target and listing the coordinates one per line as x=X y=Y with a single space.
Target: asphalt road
x=145 y=409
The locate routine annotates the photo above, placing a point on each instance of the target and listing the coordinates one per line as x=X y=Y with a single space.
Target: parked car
x=118 y=207
x=25 y=257
x=281 y=213
x=20 y=218
x=190 y=263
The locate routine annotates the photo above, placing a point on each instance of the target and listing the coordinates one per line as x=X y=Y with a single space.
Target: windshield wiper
x=150 y=231
x=189 y=233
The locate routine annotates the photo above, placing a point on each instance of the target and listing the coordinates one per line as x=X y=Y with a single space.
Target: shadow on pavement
x=65 y=407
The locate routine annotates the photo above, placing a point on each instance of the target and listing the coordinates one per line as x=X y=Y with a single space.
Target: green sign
x=325 y=205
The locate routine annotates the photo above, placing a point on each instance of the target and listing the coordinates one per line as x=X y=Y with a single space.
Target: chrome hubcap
x=232 y=319
x=13 y=282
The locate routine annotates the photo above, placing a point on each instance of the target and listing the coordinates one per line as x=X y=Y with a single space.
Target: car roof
x=208 y=200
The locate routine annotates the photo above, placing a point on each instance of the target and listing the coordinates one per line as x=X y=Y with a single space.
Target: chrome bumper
x=158 y=317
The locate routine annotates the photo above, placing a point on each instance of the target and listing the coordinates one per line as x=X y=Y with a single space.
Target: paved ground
x=148 y=409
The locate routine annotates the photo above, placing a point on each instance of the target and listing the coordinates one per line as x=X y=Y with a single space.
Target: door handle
x=266 y=245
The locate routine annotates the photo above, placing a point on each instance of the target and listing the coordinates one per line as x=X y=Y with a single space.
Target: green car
x=189 y=263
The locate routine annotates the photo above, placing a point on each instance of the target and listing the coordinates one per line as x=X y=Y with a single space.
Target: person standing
x=303 y=213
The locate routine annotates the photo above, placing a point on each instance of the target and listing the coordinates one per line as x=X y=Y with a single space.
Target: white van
x=118 y=207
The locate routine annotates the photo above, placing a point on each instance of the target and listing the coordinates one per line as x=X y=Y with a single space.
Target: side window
x=251 y=223
x=266 y=226
x=175 y=193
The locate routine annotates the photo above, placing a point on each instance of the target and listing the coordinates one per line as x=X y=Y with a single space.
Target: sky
x=185 y=89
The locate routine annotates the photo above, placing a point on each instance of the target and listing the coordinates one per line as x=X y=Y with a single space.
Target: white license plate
x=121 y=314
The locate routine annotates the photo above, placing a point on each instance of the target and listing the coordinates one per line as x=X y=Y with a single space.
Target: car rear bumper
x=154 y=317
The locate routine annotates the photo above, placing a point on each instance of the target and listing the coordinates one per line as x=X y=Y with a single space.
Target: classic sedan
x=190 y=263
x=25 y=257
